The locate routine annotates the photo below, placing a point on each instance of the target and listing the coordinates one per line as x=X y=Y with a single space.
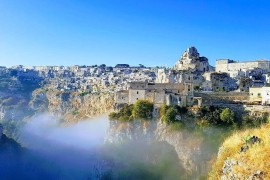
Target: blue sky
x=149 y=32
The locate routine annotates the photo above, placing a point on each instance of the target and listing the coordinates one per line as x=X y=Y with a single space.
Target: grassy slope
x=256 y=158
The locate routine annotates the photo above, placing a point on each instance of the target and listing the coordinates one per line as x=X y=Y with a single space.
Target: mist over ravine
x=102 y=149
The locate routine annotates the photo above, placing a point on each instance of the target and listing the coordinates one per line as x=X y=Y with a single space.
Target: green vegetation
x=74 y=112
x=216 y=116
x=84 y=93
x=124 y=114
x=140 y=110
x=176 y=126
x=172 y=115
x=254 y=121
x=227 y=116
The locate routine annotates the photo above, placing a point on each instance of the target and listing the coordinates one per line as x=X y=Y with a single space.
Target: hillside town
x=175 y=85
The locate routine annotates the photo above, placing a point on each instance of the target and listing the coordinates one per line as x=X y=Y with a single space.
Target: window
x=137 y=92
x=259 y=94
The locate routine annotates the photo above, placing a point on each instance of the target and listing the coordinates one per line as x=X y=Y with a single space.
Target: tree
x=227 y=116
x=142 y=109
x=124 y=113
x=170 y=115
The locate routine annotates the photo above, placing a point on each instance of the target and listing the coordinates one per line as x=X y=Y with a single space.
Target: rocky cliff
x=16 y=107
x=138 y=130
x=194 y=153
x=72 y=107
x=244 y=155
x=186 y=146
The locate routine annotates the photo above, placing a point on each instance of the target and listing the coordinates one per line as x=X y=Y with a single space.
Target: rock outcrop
x=244 y=155
x=193 y=153
x=138 y=130
x=191 y=60
x=72 y=107
x=17 y=107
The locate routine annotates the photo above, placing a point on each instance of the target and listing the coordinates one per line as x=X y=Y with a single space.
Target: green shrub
x=227 y=116
x=254 y=121
x=74 y=112
x=114 y=115
x=203 y=123
x=142 y=109
x=168 y=113
x=176 y=126
x=215 y=116
x=84 y=93
x=124 y=113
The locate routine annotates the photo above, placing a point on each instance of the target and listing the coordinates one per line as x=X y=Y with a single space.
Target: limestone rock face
x=16 y=108
x=191 y=60
x=72 y=107
x=138 y=130
x=188 y=148
x=190 y=53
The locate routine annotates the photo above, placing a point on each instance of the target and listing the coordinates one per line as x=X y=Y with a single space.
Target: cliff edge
x=244 y=155
x=71 y=106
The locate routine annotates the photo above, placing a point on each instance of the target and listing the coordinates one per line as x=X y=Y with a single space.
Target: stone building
x=191 y=60
x=158 y=93
x=259 y=95
x=233 y=67
x=244 y=83
x=218 y=82
x=266 y=78
x=173 y=76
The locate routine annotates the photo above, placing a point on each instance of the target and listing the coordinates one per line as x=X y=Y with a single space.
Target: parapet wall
x=217 y=98
x=234 y=101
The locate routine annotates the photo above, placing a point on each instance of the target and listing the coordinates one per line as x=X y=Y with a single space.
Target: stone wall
x=122 y=97
x=229 y=65
x=234 y=101
x=135 y=95
x=215 y=98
